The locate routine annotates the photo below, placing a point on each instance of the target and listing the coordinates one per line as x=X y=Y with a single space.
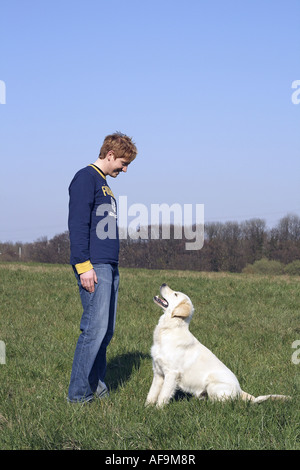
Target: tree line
x=228 y=246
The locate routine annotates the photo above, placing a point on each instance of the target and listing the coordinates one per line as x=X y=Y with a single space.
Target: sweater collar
x=98 y=170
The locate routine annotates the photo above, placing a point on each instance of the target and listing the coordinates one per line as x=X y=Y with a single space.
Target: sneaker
x=81 y=402
x=102 y=390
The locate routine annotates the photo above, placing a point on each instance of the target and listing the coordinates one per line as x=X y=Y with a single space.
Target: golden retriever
x=180 y=361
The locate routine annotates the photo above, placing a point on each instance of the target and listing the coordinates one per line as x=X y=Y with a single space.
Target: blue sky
x=203 y=86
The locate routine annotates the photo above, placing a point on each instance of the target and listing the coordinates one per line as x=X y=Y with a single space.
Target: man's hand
x=88 y=280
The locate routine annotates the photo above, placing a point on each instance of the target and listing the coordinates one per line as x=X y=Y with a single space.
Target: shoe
x=102 y=390
x=81 y=402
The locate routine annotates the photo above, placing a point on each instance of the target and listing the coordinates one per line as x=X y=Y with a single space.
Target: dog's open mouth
x=161 y=302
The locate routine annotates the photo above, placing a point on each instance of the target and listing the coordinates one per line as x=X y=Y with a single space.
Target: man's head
x=120 y=146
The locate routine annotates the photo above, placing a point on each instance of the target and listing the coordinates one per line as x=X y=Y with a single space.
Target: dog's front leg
x=155 y=389
x=168 y=389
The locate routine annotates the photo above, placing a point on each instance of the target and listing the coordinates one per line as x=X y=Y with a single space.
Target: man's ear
x=110 y=155
x=182 y=310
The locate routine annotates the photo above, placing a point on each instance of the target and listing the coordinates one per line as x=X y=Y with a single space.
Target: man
x=94 y=245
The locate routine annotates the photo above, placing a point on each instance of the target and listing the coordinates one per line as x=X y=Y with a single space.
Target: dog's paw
x=149 y=403
x=161 y=403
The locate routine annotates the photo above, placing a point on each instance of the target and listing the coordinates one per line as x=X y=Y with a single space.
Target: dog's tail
x=247 y=397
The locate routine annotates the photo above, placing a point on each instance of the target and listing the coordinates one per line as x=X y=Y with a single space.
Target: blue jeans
x=97 y=327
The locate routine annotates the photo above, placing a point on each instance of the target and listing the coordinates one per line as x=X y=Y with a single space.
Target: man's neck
x=101 y=165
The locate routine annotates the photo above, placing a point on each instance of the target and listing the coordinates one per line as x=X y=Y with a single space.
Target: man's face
x=116 y=166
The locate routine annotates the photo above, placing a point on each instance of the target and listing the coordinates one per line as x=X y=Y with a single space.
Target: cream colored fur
x=180 y=361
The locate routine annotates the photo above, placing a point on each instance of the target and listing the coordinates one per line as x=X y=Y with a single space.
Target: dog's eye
x=175 y=294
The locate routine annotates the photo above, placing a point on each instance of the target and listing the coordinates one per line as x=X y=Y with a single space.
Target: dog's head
x=175 y=303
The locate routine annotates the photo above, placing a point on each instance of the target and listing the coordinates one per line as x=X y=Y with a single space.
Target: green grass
x=249 y=321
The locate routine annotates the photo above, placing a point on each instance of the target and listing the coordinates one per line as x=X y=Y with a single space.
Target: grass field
x=249 y=321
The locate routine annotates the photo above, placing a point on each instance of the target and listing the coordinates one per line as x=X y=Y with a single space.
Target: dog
x=180 y=361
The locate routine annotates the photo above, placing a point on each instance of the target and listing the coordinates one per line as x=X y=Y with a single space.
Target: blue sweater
x=92 y=220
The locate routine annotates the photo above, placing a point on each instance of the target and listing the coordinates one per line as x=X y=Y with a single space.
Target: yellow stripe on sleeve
x=83 y=267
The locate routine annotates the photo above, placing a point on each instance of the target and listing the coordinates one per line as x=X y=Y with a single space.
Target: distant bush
x=264 y=266
x=293 y=268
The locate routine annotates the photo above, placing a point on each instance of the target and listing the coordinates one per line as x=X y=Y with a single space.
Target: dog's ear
x=182 y=310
